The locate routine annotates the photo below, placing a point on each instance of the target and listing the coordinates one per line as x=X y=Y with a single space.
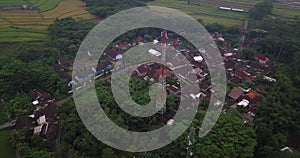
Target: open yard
x=31 y=26
x=6 y=149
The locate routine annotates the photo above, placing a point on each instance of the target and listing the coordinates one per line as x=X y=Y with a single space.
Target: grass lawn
x=6 y=149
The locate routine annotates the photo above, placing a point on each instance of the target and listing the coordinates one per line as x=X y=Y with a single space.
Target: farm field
x=22 y=35
x=207 y=12
x=285 y=12
x=12 y=2
x=6 y=149
x=31 y=26
x=43 y=5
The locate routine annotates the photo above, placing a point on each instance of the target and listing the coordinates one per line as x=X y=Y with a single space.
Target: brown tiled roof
x=243 y=76
x=205 y=85
x=49 y=111
x=25 y=122
x=235 y=93
x=112 y=53
x=41 y=95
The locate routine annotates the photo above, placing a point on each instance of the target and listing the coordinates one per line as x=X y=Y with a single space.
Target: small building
x=198 y=58
x=244 y=103
x=154 y=52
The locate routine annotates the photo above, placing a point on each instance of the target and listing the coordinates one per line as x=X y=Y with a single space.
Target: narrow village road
x=61 y=102
x=7 y=124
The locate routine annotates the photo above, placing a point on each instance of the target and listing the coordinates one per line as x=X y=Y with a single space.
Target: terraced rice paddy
x=31 y=26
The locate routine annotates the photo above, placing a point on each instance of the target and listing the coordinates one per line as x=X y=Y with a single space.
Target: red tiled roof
x=161 y=71
x=261 y=57
x=123 y=44
x=251 y=95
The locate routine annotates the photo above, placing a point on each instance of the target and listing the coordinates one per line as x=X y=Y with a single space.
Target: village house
x=40 y=97
x=123 y=45
x=174 y=90
x=102 y=66
x=64 y=62
x=43 y=122
x=261 y=58
x=236 y=93
x=113 y=54
x=47 y=122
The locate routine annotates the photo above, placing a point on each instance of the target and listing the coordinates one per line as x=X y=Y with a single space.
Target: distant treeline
x=105 y=8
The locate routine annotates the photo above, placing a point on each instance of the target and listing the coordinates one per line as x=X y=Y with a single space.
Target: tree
x=261 y=10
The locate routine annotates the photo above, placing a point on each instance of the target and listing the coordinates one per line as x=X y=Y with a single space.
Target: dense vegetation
x=276 y=125
x=277 y=122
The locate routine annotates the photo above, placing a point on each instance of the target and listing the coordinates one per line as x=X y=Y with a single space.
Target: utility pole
x=189 y=148
x=161 y=95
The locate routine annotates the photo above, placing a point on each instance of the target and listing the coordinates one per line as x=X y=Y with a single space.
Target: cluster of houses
x=238 y=70
x=43 y=121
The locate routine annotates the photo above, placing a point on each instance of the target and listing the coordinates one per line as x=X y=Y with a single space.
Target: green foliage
x=229 y=138
x=21 y=105
x=18 y=76
x=230 y=33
